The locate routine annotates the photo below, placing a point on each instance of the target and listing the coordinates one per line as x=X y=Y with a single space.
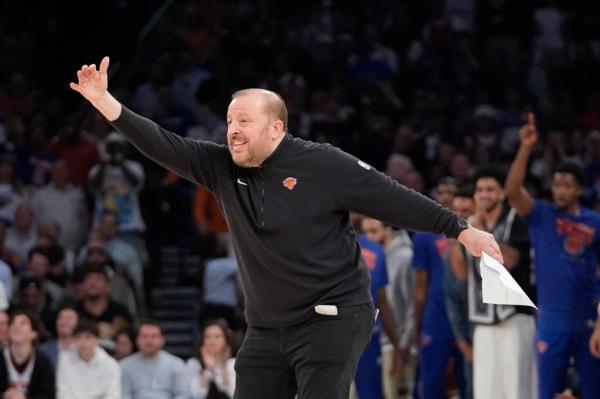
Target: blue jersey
x=374 y=256
x=566 y=261
x=429 y=255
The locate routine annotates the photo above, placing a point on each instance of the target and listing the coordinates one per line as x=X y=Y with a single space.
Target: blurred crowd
x=421 y=90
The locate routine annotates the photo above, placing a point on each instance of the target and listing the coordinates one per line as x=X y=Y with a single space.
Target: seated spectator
x=97 y=305
x=32 y=298
x=3 y=327
x=65 y=203
x=211 y=375
x=8 y=255
x=21 y=236
x=38 y=267
x=125 y=343
x=125 y=255
x=25 y=372
x=152 y=372
x=48 y=235
x=66 y=321
x=88 y=372
x=121 y=289
x=6 y=278
x=9 y=195
x=221 y=292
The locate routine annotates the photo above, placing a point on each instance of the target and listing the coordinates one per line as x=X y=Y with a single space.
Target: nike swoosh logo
x=240 y=181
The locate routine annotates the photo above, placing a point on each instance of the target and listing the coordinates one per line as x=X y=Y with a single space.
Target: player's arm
x=389 y=326
x=421 y=293
x=514 y=188
x=188 y=158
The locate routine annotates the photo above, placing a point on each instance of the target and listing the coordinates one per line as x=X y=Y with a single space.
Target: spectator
x=9 y=195
x=25 y=372
x=64 y=202
x=125 y=343
x=152 y=372
x=66 y=321
x=221 y=292
x=4 y=319
x=38 y=267
x=21 y=237
x=8 y=255
x=116 y=182
x=78 y=152
x=125 y=255
x=211 y=374
x=88 y=372
x=97 y=305
x=32 y=298
x=400 y=291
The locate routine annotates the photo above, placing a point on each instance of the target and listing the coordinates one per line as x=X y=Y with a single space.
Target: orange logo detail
x=290 y=183
x=542 y=346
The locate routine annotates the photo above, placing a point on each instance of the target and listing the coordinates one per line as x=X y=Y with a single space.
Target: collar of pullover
x=279 y=152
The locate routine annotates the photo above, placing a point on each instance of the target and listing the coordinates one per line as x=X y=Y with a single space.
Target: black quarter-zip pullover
x=289 y=218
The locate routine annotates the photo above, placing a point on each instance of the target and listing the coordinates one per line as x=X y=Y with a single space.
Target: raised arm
x=191 y=159
x=518 y=196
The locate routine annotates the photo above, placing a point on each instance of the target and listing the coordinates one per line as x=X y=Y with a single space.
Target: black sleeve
x=192 y=159
x=43 y=382
x=360 y=188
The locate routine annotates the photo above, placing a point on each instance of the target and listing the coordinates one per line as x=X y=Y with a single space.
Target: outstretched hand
x=476 y=240
x=92 y=83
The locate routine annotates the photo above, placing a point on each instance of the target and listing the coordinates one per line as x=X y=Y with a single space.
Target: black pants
x=316 y=359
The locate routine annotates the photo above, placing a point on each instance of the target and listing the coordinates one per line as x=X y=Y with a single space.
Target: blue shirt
x=374 y=257
x=566 y=259
x=429 y=255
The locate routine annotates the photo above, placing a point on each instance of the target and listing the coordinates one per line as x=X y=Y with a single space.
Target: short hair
x=464 y=192
x=447 y=181
x=149 y=322
x=573 y=169
x=86 y=326
x=490 y=171
x=273 y=103
x=38 y=250
x=36 y=325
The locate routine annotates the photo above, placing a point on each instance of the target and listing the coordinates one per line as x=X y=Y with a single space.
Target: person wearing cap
x=88 y=372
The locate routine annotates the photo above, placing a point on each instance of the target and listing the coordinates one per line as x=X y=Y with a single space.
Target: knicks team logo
x=370 y=258
x=542 y=346
x=577 y=235
x=442 y=246
x=290 y=183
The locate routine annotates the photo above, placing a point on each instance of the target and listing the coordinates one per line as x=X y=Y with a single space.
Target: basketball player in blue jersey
x=437 y=345
x=565 y=237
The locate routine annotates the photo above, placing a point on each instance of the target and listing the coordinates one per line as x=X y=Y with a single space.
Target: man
x=455 y=284
x=66 y=321
x=438 y=349
x=287 y=204
x=565 y=238
x=97 y=304
x=503 y=336
x=65 y=203
x=88 y=372
x=400 y=293
x=152 y=372
x=369 y=381
x=38 y=267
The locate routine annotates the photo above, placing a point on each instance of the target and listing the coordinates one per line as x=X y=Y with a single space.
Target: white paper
x=498 y=286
